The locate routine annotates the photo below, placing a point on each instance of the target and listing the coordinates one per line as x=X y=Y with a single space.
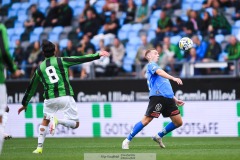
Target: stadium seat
x=95 y=42
x=126 y=27
x=175 y=39
x=151 y=2
x=18 y=24
x=25 y=5
x=219 y=38
x=38 y=30
x=122 y=35
x=34 y=37
x=77 y=11
x=63 y=35
x=186 y=6
x=10 y=31
x=237 y=23
x=151 y=35
x=16 y=6
x=138 y=2
x=44 y=5
x=43 y=36
x=72 y=4
x=132 y=34
x=81 y=4
x=99 y=5
x=209 y=10
x=21 y=12
x=19 y=31
x=134 y=41
x=22 y=18
x=12 y=12
x=153 y=23
x=33 y=1
x=14 y=37
x=127 y=64
x=235 y=30
x=57 y=30
x=136 y=27
x=156 y=13
x=5 y=2
x=63 y=43
x=47 y=30
x=53 y=37
x=196 y=6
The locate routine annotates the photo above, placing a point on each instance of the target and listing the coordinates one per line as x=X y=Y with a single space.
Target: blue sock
x=137 y=128
x=169 y=127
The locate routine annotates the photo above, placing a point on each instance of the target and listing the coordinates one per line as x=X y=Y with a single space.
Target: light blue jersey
x=158 y=86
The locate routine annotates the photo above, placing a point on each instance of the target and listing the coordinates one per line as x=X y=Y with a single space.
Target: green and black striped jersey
x=53 y=74
x=5 y=57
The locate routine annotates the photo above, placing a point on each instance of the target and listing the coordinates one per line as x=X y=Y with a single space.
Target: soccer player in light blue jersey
x=162 y=100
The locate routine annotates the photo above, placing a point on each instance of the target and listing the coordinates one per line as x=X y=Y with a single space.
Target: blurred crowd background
x=127 y=28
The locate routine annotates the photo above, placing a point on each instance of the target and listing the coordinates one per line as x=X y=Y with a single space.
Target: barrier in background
x=115 y=119
x=136 y=90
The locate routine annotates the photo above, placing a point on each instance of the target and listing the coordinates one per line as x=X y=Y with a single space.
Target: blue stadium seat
x=196 y=6
x=99 y=5
x=175 y=39
x=44 y=4
x=77 y=11
x=10 y=31
x=21 y=12
x=132 y=34
x=186 y=6
x=122 y=35
x=53 y=37
x=12 y=12
x=95 y=42
x=57 y=30
x=151 y=35
x=127 y=64
x=153 y=23
x=151 y=2
x=136 y=27
x=14 y=37
x=19 y=31
x=22 y=18
x=16 y=6
x=237 y=23
x=25 y=5
x=81 y=3
x=63 y=43
x=235 y=30
x=126 y=27
x=18 y=24
x=156 y=13
x=6 y=2
x=72 y=4
x=38 y=30
x=209 y=10
x=134 y=41
x=219 y=38
x=138 y=2
x=33 y=1
x=34 y=37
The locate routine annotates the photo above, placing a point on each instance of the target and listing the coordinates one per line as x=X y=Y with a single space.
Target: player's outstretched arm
x=74 y=60
x=178 y=102
x=162 y=73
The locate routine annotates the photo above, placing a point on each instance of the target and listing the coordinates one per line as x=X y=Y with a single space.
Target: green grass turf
x=74 y=148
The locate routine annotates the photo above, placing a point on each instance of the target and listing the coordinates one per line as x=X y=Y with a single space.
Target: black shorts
x=159 y=104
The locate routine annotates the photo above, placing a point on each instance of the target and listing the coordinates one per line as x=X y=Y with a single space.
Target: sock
x=67 y=123
x=42 y=135
x=137 y=128
x=1 y=137
x=4 y=119
x=169 y=127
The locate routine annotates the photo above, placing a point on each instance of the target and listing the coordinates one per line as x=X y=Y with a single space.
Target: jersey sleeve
x=153 y=67
x=4 y=47
x=73 y=60
x=31 y=89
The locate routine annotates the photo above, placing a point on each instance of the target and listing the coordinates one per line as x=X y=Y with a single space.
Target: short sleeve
x=152 y=68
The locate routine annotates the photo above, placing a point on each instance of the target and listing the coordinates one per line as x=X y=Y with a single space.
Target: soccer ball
x=185 y=43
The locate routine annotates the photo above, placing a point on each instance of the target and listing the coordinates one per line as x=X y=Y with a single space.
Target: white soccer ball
x=185 y=43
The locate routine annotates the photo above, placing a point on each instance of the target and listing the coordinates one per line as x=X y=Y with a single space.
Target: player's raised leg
x=42 y=135
x=176 y=122
x=137 y=128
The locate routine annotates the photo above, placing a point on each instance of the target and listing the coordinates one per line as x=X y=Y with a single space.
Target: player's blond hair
x=148 y=51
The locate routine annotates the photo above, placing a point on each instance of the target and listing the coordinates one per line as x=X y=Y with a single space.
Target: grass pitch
x=74 y=148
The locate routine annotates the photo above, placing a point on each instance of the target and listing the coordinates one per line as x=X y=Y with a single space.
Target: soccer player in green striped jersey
x=5 y=58
x=58 y=93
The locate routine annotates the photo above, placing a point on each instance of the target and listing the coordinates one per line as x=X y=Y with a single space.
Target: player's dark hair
x=48 y=48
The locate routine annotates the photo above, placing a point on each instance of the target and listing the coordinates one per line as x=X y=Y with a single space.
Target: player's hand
x=21 y=109
x=179 y=102
x=178 y=80
x=18 y=73
x=104 y=53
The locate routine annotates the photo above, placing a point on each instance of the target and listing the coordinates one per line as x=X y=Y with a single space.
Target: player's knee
x=179 y=123
x=42 y=129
